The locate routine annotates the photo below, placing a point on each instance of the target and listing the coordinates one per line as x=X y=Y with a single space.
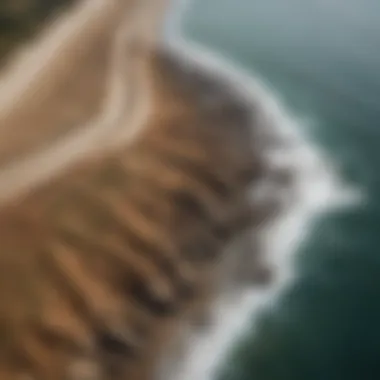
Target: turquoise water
x=323 y=58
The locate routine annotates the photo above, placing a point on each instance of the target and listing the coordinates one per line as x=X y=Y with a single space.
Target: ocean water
x=320 y=59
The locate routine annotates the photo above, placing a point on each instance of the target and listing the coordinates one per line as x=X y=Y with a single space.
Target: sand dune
x=69 y=92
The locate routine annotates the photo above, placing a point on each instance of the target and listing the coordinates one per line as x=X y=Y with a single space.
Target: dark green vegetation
x=21 y=20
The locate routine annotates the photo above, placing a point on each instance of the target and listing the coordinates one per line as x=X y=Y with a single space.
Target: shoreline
x=316 y=190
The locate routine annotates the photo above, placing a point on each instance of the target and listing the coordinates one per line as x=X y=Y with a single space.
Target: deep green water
x=323 y=58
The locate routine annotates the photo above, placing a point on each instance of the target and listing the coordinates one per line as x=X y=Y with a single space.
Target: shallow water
x=321 y=59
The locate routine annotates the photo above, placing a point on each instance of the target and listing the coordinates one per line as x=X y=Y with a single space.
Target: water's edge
x=317 y=189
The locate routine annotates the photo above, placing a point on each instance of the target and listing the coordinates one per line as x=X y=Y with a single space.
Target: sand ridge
x=64 y=97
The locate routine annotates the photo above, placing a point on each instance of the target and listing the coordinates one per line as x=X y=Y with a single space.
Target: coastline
x=314 y=189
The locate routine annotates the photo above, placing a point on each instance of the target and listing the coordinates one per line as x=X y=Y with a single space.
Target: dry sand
x=69 y=92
